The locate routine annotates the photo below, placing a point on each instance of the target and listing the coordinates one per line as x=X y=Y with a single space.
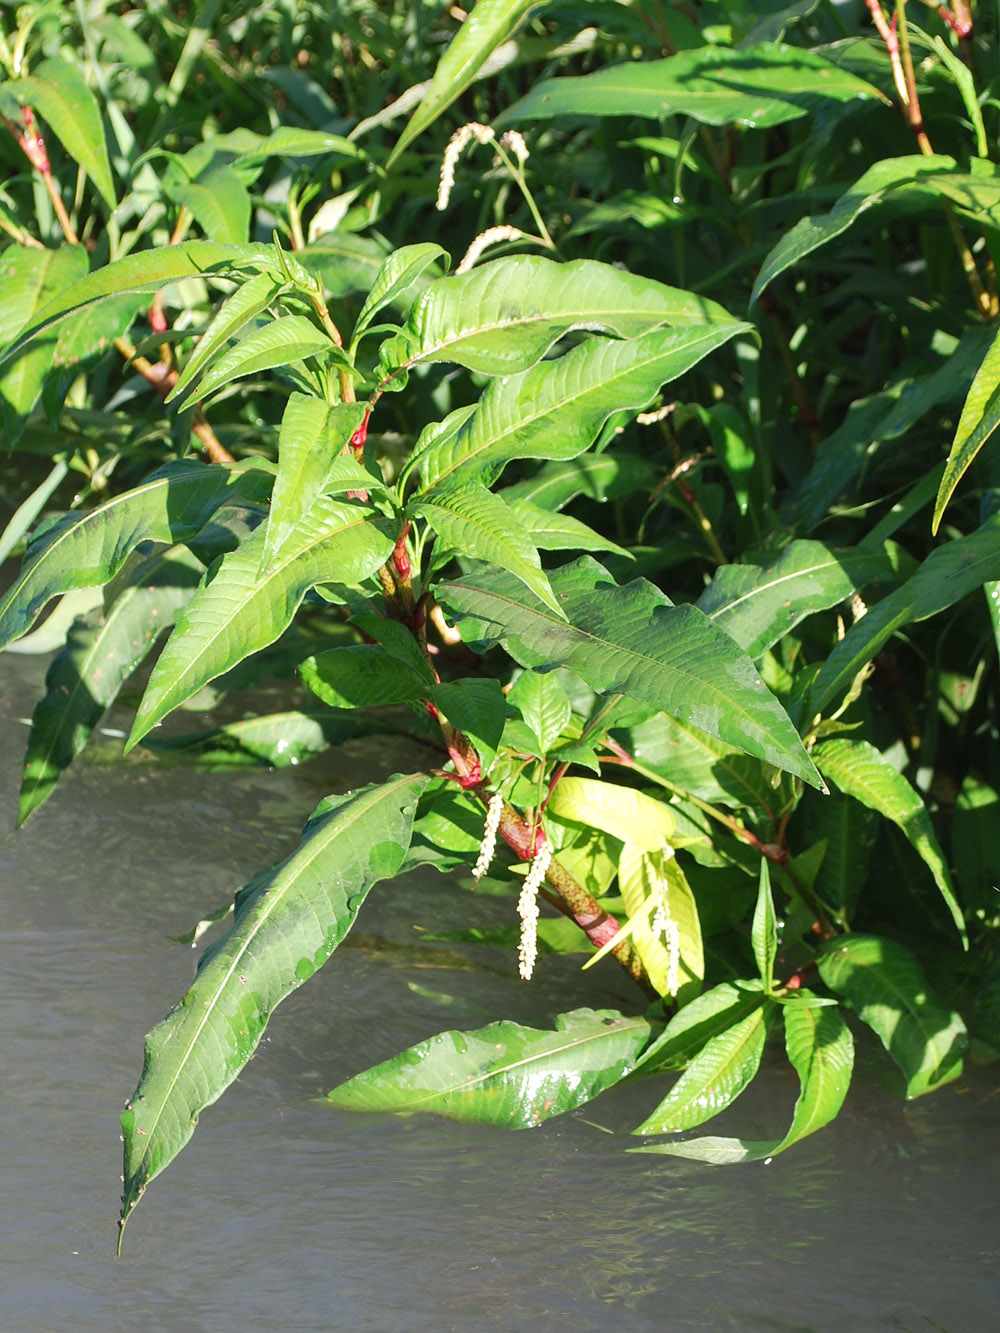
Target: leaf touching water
x=504 y=1074
x=351 y=843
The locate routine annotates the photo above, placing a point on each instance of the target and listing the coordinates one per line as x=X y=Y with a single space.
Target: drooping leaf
x=696 y=1024
x=146 y=272
x=556 y=408
x=758 y=606
x=809 y=234
x=631 y=640
x=504 y=1074
x=487 y=25
x=56 y=90
x=560 y=532
x=598 y=476
x=313 y=433
x=980 y=418
x=716 y=1076
x=861 y=771
x=86 y=550
x=948 y=574
x=887 y=990
x=502 y=317
x=288 y=922
x=663 y=917
x=757 y=86
x=399 y=271
x=102 y=651
x=278 y=343
x=471 y=520
x=243 y=609
x=246 y=303
x=764 y=932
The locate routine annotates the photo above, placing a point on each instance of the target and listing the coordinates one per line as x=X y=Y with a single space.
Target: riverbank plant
x=600 y=394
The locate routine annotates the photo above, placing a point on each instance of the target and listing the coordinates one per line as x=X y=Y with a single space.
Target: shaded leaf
x=764 y=931
x=361 y=676
x=504 y=1074
x=351 y=843
x=280 y=740
x=543 y=705
x=980 y=418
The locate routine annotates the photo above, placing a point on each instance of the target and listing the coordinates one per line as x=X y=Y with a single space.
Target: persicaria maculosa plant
x=611 y=759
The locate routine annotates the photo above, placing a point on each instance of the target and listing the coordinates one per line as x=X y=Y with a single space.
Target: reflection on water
x=284 y=1214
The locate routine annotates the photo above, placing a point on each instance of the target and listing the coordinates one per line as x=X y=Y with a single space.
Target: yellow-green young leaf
x=397 y=275
x=887 y=989
x=287 y=923
x=505 y=1074
x=859 y=770
x=980 y=418
x=249 y=299
x=715 y=1077
x=667 y=932
x=56 y=90
x=627 y=814
x=487 y=24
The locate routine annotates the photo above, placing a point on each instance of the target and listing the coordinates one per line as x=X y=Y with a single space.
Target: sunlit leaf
x=980 y=418
x=281 y=341
x=56 y=90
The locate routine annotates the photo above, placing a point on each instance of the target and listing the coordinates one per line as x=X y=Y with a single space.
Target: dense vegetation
x=608 y=387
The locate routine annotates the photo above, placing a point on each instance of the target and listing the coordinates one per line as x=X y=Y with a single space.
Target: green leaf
x=598 y=476
x=859 y=770
x=312 y=435
x=626 y=813
x=663 y=920
x=716 y=1076
x=246 y=303
x=56 y=90
x=560 y=532
x=86 y=550
x=544 y=706
x=30 y=278
x=757 y=607
x=242 y=609
x=398 y=273
x=504 y=1074
x=887 y=990
x=556 y=408
x=475 y=707
x=102 y=651
x=474 y=522
x=219 y=202
x=487 y=25
x=281 y=341
x=146 y=272
x=503 y=316
x=764 y=932
x=809 y=234
x=288 y=922
x=692 y=1027
x=279 y=740
x=632 y=640
x=757 y=86
x=980 y=418
x=361 y=676
x=948 y=574
x=292 y=141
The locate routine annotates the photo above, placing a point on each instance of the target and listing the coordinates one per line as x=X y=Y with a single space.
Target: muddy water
x=284 y=1215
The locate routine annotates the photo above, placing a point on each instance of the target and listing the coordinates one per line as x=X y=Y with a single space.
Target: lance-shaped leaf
x=759 y=86
x=764 y=932
x=56 y=90
x=363 y=675
x=980 y=418
x=86 y=550
x=503 y=1074
x=397 y=275
x=870 y=189
x=948 y=574
x=694 y=1026
x=102 y=651
x=277 y=740
x=280 y=342
x=472 y=521
x=560 y=532
x=312 y=435
x=598 y=476
x=486 y=26
x=292 y=141
x=504 y=316
x=631 y=640
x=146 y=272
x=245 y=304
x=288 y=922
x=821 y=1050
x=716 y=1076
x=663 y=920
x=859 y=770
x=242 y=609
x=555 y=409
x=887 y=990
x=758 y=606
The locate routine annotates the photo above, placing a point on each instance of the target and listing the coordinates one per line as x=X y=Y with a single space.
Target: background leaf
x=980 y=418
x=56 y=90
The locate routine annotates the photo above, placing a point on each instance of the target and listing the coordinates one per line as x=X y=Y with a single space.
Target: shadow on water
x=285 y=1214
